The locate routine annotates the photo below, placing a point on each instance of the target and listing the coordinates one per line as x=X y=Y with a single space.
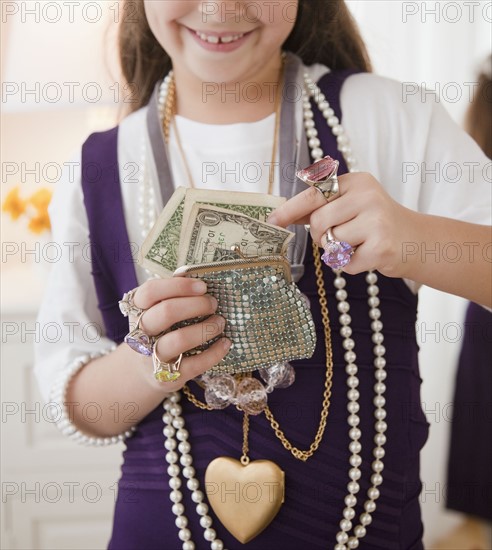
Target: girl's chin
x=250 y=68
x=221 y=73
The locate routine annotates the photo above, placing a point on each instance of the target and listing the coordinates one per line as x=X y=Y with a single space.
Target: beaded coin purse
x=267 y=317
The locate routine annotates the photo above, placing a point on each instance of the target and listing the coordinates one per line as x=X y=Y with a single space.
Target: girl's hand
x=168 y=301
x=364 y=215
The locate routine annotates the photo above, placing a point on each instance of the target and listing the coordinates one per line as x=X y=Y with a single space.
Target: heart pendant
x=244 y=498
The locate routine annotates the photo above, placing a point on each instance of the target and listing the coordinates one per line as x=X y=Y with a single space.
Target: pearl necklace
x=344 y=540
x=174 y=422
x=146 y=196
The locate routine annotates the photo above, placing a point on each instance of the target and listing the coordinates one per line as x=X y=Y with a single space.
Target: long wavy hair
x=324 y=32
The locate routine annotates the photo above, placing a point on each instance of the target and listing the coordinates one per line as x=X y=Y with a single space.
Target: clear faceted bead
x=220 y=391
x=251 y=396
x=281 y=375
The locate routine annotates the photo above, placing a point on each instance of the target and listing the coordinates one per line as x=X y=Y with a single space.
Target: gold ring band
x=166 y=371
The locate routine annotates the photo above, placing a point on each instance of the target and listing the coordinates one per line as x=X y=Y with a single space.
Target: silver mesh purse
x=267 y=318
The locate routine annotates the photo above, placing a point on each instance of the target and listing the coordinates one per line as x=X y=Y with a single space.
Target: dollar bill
x=159 y=252
x=210 y=233
x=255 y=205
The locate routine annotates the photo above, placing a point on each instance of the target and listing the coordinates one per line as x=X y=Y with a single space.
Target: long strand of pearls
x=146 y=200
x=174 y=429
x=174 y=422
x=344 y=540
x=146 y=196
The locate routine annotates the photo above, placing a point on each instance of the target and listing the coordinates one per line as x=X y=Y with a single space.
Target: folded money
x=210 y=233
x=160 y=250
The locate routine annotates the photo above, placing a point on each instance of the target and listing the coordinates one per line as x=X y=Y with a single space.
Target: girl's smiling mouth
x=219 y=41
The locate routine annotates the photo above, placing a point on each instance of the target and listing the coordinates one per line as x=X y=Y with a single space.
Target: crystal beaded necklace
x=178 y=455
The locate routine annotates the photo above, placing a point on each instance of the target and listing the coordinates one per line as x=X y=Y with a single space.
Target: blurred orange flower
x=13 y=204
x=40 y=223
x=41 y=199
x=34 y=208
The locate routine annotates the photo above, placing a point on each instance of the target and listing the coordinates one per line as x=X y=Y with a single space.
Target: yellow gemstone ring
x=166 y=371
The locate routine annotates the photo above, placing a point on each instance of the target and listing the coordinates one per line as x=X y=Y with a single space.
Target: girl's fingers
x=195 y=366
x=154 y=291
x=181 y=340
x=298 y=209
x=170 y=346
x=337 y=213
x=164 y=314
x=351 y=232
x=362 y=260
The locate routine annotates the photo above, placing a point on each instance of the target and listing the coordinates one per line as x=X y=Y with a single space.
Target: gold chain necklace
x=295 y=451
x=170 y=120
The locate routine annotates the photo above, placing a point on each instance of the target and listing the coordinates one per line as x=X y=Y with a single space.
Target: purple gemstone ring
x=337 y=254
x=138 y=340
x=322 y=175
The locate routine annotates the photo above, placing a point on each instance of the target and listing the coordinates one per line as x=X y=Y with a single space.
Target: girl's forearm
x=450 y=255
x=111 y=394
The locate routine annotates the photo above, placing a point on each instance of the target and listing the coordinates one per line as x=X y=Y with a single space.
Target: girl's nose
x=221 y=11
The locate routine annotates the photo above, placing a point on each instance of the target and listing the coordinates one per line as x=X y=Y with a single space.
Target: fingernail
x=272 y=219
x=199 y=287
x=222 y=320
x=214 y=302
x=226 y=343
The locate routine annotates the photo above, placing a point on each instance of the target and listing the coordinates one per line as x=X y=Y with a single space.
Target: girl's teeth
x=216 y=39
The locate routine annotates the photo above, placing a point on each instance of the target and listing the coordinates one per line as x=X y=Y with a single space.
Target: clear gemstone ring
x=127 y=306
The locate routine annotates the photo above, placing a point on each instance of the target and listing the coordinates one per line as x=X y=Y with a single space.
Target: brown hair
x=325 y=32
x=478 y=122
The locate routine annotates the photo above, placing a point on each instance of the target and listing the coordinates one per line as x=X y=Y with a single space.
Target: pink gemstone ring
x=322 y=175
x=337 y=254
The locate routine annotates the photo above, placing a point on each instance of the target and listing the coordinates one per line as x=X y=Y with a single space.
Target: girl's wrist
x=62 y=407
x=408 y=262
x=143 y=365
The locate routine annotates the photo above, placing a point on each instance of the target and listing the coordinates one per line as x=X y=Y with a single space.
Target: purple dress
x=469 y=484
x=314 y=489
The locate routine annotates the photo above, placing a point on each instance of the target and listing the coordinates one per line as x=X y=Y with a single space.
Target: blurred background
x=60 y=82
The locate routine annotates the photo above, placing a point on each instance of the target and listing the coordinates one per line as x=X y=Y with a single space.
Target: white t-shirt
x=423 y=159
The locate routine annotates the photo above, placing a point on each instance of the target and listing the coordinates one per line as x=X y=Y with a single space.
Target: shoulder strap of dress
x=111 y=253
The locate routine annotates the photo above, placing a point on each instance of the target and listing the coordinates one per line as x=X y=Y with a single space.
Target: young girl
x=347 y=433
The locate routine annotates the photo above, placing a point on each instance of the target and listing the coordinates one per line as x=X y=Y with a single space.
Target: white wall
x=441 y=50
